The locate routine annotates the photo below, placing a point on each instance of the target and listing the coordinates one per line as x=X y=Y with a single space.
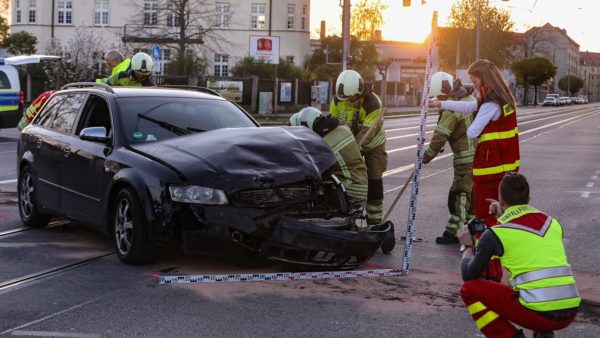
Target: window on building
x=289 y=60
x=101 y=12
x=258 y=16
x=172 y=18
x=32 y=11
x=65 y=12
x=291 y=16
x=151 y=12
x=221 y=65
x=166 y=54
x=223 y=15
x=304 y=10
x=18 y=11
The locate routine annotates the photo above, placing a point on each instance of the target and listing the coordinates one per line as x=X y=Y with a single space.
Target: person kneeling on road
x=452 y=127
x=541 y=294
x=350 y=168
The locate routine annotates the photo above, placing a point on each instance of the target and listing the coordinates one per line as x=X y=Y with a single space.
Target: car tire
x=28 y=208
x=129 y=230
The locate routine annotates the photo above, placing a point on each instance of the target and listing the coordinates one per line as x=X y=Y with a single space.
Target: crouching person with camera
x=541 y=294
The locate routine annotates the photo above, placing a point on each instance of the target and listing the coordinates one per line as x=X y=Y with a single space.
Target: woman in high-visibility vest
x=495 y=124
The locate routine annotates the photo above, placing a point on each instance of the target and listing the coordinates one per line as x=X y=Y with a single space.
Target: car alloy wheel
x=26 y=195
x=123 y=227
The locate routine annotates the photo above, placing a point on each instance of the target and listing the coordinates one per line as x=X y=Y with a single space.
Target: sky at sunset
x=579 y=17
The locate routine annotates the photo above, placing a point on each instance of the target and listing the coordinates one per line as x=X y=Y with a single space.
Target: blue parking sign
x=156 y=52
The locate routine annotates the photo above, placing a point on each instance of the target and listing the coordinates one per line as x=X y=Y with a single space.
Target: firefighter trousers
x=459 y=198
x=376 y=161
x=495 y=306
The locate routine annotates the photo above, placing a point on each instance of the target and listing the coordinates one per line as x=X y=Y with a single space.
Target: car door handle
x=66 y=151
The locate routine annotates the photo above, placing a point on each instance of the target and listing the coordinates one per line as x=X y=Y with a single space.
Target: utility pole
x=345 y=33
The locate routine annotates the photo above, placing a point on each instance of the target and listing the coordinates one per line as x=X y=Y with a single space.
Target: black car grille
x=266 y=198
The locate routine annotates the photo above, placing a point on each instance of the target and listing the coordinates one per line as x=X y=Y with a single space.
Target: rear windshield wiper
x=171 y=127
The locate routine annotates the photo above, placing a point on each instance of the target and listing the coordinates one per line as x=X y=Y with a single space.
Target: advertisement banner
x=285 y=93
x=265 y=48
x=231 y=90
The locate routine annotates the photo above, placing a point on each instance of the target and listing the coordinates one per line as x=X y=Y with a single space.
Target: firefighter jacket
x=121 y=67
x=126 y=79
x=452 y=127
x=534 y=255
x=34 y=108
x=350 y=168
x=360 y=116
x=498 y=148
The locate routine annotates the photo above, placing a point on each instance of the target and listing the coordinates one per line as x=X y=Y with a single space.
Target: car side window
x=45 y=117
x=65 y=117
x=96 y=114
x=4 y=82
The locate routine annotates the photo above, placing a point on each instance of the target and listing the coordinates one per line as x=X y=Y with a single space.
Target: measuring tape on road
x=277 y=276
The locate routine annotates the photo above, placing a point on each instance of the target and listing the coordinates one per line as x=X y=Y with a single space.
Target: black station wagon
x=157 y=166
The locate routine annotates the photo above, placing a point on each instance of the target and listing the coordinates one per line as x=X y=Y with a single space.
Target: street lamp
x=478 y=28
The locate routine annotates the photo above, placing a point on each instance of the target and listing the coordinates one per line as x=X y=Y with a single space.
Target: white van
x=11 y=97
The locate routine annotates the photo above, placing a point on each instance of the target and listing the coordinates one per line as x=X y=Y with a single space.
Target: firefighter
x=541 y=294
x=452 y=128
x=350 y=168
x=116 y=62
x=359 y=108
x=138 y=74
x=34 y=108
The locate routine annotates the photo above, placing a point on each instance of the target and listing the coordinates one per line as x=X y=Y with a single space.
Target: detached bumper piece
x=302 y=243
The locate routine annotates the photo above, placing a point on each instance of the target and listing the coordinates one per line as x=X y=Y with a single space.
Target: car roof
x=151 y=92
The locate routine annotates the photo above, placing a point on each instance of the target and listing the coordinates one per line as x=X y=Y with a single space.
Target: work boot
x=543 y=334
x=446 y=238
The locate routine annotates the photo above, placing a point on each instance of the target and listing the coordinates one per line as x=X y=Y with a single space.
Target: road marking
x=6 y=152
x=595 y=177
x=8 y=181
x=589 y=185
x=407 y=135
x=585 y=194
x=55 y=334
x=597 y=172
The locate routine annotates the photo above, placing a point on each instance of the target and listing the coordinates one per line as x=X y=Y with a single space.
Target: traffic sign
x=156 y=52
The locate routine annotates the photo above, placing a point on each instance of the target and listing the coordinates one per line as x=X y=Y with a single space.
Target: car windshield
x=147 y=119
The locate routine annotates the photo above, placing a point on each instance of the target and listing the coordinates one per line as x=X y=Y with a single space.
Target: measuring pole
x=412 y=209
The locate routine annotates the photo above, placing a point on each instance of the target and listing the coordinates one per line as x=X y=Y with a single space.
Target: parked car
x=556 y=97
x=583 y=99
x=550 y=101
x=565 y=100
x=157 y=167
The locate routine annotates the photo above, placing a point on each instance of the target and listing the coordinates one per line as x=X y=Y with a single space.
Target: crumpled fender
x=292 y=233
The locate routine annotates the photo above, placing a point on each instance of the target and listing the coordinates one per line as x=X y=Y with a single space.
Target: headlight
x=197 y=195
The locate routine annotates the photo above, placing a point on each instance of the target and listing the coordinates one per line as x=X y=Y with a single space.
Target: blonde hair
x=491 y=77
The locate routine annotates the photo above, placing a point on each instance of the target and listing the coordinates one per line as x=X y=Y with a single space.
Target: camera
x=476 y=226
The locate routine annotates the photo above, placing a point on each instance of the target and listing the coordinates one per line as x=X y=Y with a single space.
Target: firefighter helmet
x=307 y=116
x=142 y=63
x=348 y=84
x=441 y=84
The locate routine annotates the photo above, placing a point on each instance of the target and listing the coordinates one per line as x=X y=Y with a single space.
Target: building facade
x=589 y=71
x=224 y=27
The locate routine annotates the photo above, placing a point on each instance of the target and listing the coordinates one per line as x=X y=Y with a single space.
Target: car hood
x=244 y=158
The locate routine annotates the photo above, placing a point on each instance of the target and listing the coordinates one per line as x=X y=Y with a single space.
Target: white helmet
x=441 y=84
x=294 y=121
x=348 y=84
x=307 y=116
x=142 y=62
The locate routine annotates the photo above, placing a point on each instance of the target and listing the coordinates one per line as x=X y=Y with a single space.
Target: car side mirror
x=94 y=134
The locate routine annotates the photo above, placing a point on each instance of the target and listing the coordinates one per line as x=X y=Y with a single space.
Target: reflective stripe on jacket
x=360 y=116
x=534 y=255
x=121 y=67
x=350 y=168
x=498 y=148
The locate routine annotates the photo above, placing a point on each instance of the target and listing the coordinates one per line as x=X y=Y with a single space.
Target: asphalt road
x=77 y=288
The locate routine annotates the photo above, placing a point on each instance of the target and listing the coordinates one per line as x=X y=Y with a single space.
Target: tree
x=248 y=66
x=79 y=64
x=457 y=43
x=4 y=8
x=570 y=84
x=533 y=71
x=325 y=62
x=20 y=43
x=179 y=24
x=366 y=18
x=186 y=64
